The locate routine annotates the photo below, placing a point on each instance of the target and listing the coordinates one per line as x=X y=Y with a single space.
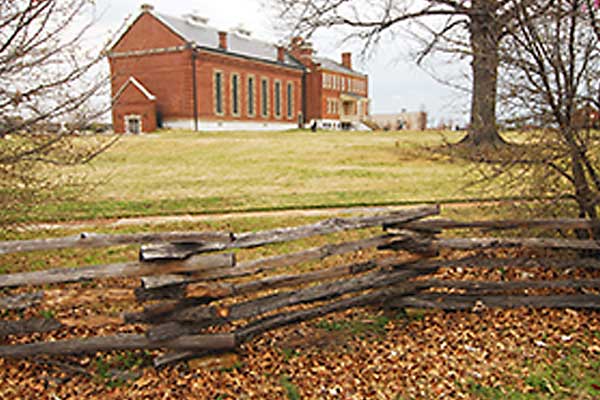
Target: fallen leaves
x=223 y=361
x=594 y=349
x=92 y=322
x=356 y=354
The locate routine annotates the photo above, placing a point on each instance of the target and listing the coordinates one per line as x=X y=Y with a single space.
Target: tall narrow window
x=235 y=94
x=251 y=96
x=218 y=98
x=264 y=97
x=290 y=100
x=277 y=99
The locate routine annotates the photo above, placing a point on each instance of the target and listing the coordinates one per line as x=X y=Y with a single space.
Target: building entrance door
x=133 y=125
x=349 y=108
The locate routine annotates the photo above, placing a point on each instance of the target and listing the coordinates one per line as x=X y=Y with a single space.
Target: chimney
x=347 y=60
x=147 y=7
x=223 y=40
x=302 y=51
x=297 y=41
x=280 y=54
x=306 y=52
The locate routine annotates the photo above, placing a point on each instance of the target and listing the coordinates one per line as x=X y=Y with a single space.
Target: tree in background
x=473 y=28
x=552 y=65
x=49 y=92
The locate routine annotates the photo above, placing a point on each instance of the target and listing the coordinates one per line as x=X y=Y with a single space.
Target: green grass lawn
x=186 y=172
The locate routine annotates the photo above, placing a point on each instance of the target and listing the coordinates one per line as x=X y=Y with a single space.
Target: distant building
x=403 y=121
x=337 y=96
x=180 y=73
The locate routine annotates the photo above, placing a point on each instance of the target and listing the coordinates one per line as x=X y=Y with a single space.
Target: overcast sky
x=395 y=81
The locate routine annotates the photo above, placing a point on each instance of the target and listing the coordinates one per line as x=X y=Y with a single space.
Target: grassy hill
x=187 y=172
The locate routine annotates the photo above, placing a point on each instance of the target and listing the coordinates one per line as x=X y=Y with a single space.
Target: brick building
x=337 y=96
x=403 y=121
x=180 y=73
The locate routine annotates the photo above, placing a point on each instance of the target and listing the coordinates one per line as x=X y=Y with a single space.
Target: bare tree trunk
x=484 y=35
x=585 y=200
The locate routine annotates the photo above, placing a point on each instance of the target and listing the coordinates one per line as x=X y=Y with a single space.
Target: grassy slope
x=180 y=172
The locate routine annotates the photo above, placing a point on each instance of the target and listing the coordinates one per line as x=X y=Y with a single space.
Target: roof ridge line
x=138 y=85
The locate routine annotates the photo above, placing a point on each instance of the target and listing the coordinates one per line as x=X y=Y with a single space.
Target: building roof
x=331 y=65
x=237 y=44
x=138 y=85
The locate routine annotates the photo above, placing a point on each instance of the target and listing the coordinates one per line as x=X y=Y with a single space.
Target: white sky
x=395 y=81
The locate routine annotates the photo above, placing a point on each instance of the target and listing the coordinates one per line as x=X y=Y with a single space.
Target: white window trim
x=254 y=98
x=239 y=92
x=215 y=72
x=265 y=113
x=290 y=101
x=133 y=116
x=275 y=113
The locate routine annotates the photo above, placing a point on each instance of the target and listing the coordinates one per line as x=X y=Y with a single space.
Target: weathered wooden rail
x=185 y=290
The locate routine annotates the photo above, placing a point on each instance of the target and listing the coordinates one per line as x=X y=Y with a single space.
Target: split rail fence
x=190 y=281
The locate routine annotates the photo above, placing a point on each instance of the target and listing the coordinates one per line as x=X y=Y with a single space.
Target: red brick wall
x=314 y=95
x=328 y=93
x=133 y=102
x=208 y=62
x=167 y=76
x=147 y=33
x=317 y=95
